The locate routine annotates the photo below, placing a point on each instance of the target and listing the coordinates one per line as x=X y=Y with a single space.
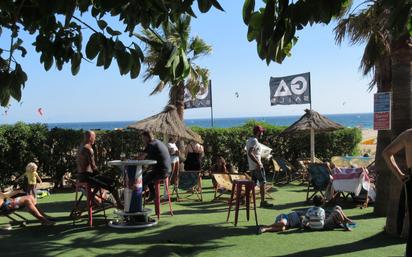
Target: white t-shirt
x=316 y=217
x=253 y=143
x=172 y=148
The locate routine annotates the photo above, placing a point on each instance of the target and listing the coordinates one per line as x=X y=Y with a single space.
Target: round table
x=133 y=215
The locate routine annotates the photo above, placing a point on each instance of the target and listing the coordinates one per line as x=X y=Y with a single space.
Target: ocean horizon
x=359 y=120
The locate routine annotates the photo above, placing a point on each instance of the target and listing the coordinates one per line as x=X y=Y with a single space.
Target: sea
x=359 y=120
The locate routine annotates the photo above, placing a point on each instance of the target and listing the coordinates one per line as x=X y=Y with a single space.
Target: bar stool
x=87 y=190
x=157 y=196
x=237 y=189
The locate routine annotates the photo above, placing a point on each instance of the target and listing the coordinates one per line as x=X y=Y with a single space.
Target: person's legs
x=101 y=181
x=259 y=175
x=148 y=180
x=279 y=225
x=29 y=203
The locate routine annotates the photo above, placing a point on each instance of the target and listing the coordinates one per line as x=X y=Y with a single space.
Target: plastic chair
x=165 y=182
x=237 y=190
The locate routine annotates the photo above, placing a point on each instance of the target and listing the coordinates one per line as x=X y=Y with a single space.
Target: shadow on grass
x=375 y=241
x=161 y=240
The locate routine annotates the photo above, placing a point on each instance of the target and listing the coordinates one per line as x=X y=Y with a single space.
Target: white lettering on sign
x=283 y=90
x=298 y=86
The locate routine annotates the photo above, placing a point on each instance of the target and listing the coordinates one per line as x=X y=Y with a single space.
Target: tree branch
x=87 y=25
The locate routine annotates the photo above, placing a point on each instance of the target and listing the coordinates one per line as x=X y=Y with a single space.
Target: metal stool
x=157 y=196
x=237 y=188
x=76 y=212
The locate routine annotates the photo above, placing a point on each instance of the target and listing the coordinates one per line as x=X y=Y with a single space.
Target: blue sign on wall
x=382 y=102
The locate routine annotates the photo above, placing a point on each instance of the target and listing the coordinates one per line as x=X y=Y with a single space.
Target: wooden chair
x=222 y=184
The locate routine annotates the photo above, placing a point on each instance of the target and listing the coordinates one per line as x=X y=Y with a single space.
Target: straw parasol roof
x=167 y=122
x=312 y=120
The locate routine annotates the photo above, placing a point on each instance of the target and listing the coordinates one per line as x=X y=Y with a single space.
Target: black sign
x=287 y=90
x=202 y=99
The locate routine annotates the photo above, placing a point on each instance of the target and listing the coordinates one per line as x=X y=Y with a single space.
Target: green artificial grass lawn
x=199 y=229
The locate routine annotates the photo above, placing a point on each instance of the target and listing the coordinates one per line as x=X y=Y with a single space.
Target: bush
x=55 y=150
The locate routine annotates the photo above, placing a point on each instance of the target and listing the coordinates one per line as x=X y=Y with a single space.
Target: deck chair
x=222 y=184
x=14 y=216
x=319 y=179
x=285 y=172
x=191 y=182
x=246 y=176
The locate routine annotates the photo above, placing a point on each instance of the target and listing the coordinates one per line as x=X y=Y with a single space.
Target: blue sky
x=103 y=95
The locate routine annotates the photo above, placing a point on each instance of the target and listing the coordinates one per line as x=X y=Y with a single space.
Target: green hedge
x=55 y=150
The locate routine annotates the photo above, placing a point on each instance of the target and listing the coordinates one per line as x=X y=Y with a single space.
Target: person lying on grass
x=8 y=204
x=283 y=222
x=315 y=217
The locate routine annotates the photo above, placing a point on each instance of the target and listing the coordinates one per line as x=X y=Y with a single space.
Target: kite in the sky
x=40 y=111
x=237 y=94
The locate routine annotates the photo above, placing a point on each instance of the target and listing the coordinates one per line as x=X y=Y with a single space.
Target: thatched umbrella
x=312 y=121
x=167 y=122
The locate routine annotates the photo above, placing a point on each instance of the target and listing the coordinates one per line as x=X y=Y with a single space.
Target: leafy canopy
x=171 y=55
x=57 y=27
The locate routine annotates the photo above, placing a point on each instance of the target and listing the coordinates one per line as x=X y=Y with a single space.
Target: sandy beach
x=368 y=148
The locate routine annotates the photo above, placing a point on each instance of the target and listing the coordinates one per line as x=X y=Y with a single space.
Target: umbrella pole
x=312 y=145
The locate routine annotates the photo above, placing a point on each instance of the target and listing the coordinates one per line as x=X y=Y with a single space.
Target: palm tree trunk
x=401 y=116
x=384 y=84
x=176 y=97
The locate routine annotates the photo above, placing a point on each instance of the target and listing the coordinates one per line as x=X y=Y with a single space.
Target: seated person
x=155 y=150
x=87 y=169
x=283 y=222
x=9 y=204
x=315 y=216
x=221 y=166
x=174 y=158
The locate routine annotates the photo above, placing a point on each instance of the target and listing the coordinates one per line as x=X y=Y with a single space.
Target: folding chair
x=319 y=179
x=284 y=171
x=222 y=184
x=14 y=217
x=91 y=207
x=191 y=181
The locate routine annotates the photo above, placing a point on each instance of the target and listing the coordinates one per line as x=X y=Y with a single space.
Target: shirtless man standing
x=402 y=142
x=87 y=169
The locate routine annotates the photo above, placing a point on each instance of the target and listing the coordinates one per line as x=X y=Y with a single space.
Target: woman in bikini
x=9 y=204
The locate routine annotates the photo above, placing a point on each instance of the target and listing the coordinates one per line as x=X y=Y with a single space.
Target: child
x=283 y=222
x=315 y=216
x=32 y=178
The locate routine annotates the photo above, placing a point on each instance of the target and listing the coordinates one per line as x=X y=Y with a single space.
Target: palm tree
x=369 y=27
x=170 y=57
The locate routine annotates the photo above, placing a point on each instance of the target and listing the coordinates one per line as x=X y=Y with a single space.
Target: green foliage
x=60 y=41
x=170 y=57
x=274 y=26
x=55 y=150
x=230 y=143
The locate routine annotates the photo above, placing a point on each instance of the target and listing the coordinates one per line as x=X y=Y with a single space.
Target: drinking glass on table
x=122 y=156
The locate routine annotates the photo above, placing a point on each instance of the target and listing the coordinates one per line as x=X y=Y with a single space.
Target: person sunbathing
x=9 y=204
